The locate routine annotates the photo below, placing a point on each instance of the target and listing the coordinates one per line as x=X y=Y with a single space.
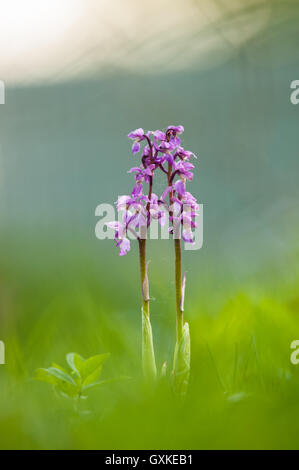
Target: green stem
x=178 y=288
x=148 y=354
x=143 y=276
x=181 y=359
x=178 y=267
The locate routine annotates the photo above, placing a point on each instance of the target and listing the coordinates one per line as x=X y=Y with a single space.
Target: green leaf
x=61 y=375
x=76 y=362
x=57 y=366
x=96 y=384
x=148 y=354
x=72 y=391
x=181 y=363
x=93 y=365
x=62 y=381
x=84 y=374
x=43 y=375
x=92 y=378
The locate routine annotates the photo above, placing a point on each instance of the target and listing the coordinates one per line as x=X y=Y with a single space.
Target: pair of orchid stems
x=148 y=355
x=162 y=151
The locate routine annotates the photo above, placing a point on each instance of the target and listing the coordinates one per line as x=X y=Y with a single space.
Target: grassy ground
x=243 y=391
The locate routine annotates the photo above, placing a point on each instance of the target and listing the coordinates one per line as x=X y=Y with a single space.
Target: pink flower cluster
x=159 y=151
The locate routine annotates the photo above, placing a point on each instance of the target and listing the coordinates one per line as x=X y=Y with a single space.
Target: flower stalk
x=181 y=359
x=178 y=289
x=148 y=355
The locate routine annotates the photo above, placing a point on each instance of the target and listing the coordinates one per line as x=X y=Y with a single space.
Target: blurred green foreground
x=243 y=391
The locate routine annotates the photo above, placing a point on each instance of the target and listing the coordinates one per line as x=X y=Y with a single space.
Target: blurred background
x=79 y=75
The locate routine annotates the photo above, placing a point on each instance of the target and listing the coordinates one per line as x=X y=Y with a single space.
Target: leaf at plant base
x=61 y=375
x=100 y=382
x=59 y=379
x=43 y=375
x=76 y=362
x=181 y=364
x=148 y=354
x=93 y=365
x=76 y=378
x=57 y=366
x=72 y=391
x=92 y=378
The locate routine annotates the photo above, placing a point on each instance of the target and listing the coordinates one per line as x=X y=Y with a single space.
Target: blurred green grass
x=243 y=391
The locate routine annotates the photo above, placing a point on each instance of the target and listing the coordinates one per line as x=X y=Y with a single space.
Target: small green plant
x=84 y=374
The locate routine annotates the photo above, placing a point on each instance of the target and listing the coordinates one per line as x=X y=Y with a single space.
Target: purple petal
x=124 y=246
x=134 y=169
x=179 y=187
x=177 y=129
x=138 y=133
x=122 y=201
x=169 y=158
x=146 y=151
x=162 y=218
x=159 y=135
x=188 y=175
x=165 y=146
x=135 y=147
x=185 y=153
x=177 y=208
x=187 y=236
x=137 y=190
